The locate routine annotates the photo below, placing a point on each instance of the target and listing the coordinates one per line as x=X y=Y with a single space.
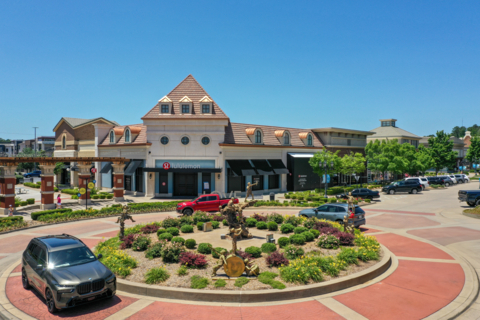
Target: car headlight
x=65 y=289
x=110 y=279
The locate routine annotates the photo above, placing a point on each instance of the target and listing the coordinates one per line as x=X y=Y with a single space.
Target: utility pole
x=35 y=149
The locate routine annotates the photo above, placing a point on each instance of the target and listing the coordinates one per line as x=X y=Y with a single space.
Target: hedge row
x=6 y=220
x=37 y=214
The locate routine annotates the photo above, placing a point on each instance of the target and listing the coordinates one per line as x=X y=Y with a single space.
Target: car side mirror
x=39 y=267
x=100 y=256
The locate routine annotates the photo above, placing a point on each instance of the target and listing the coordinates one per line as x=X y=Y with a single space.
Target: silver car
x=335 y=212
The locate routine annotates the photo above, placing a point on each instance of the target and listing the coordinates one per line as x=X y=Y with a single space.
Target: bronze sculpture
x=251 y=269
x=249 y=190
x=122 y=218
x=348 y=224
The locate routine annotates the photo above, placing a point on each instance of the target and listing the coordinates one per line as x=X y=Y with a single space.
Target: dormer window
x=185 y=108
x=205 y=108
x=286 y=138
x=258 y=136
x=165 y=108
x=112 y=137
x=207 y=105
x=309 y=140
x=127 y=136
x=186 y=105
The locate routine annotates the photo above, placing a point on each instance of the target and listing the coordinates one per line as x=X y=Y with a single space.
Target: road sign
x=94 y=181
x=93 y=170
x=91 y=185
x=82 y=191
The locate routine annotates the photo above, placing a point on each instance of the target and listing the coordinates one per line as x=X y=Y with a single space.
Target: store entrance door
x=185 y=184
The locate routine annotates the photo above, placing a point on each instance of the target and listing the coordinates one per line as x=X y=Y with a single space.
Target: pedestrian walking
x=11 y=209
x=59 y=202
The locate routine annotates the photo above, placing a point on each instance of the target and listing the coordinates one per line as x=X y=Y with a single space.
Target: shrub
x=102 y=196
x=240 y=282
x=95 y=196
x=220 y=283
x=308 y=236
x=315 y=233
x=293 y=252
x=36 y=215
x=244 y=255
x=293 y=220
x=298 y=239
x=328 y=241
x=216 y=217
x=283 y=242
x=155 y=251
x=259 y=217
x=165 y=236
x=141 y=243
x=182 y=271
x=286 y=228
x=160 y=231
x=205 y=248
x=150 y=228
x=276 y=259
x=215 y=224
x=275 y=217
x=171 y=252
x=346 y=239
x=250 y=222
x=215 y=253
x=268 y=247
x=332 y=200
x=186 y=228
x=299 y=230
x=272 y=226
x=268 y=277
x=197 y=282
x=300 y=272
x=261 y=225
x=23 y=203
x=128 y=241
x=200 y=216
x=74 y=197
x=255 y=252
x=200 y=225
x=225 y=222
x=192 y=260
x=173 y=231
x=156 y=275
x=170 y=222
x=348 y=255
x=116 y=260
x=179 y=239
x=31 y=200
x=184 y=220
x=190 y=243
x=367 y=200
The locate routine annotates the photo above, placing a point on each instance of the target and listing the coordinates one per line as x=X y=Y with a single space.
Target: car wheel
x=25 y=283
x=447 y=184
x=471 y=204
x=391 y=191
x=414 y=191
x=478 y=203
x=50 y=302
x=187 y=212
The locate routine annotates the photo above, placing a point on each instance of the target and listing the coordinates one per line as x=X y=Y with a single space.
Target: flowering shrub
x=200 y=216
x=259 y=217
x=171 y=252
x=155 y=251
x=348 y=255
x=328 y=241
x=293 y=252
x=156 y=275
x=150 y=228
x=275 y=217
x=116 y=260
x=141 y=243
x=186 y=220
x=170 y=222
x=369 y=247
x=310 y=222
x=276 y=259
x=300 y=272
x=346 y=239
x=192 y=260
x=293 y=220
x=128 y=241
x=216 y=217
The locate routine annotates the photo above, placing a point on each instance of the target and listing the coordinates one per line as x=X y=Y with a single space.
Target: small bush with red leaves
x=216 y=217
x=321 y=224
x=128 y=241
x=259 y=217
x=192 y=260
x=150 y=228
x=346 y=239
x=244 y=255
x=277 y=259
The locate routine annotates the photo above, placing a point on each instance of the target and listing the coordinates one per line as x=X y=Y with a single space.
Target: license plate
x=92 y=298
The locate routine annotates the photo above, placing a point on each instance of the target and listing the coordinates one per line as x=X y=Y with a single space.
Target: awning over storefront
x=262 y=167
x=181 y=170
x=278 y=166
x=132 y=166
x=107 y=168
x=241 y=168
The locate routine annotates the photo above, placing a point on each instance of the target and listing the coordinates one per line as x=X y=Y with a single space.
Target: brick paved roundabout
x=433 y=273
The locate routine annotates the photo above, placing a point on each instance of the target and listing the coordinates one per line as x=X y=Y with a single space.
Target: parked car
x=462 y=178
x=205 y=202
x=471 y=197
x=422 y=180
x=65 y=272
x=361 y=193
x=410 y=186
x=446 y=181
x=452 y=176
x=32 y=174
x=335 y=212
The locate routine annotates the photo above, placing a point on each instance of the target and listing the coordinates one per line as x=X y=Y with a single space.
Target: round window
x=185 y=140
x=164 y=140
x=205 y=140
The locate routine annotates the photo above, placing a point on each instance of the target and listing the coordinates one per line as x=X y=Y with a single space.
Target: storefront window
x=259 y=180
x=235 y=183
x=274 y=181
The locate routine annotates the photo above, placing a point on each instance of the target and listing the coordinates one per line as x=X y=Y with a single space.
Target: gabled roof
x=77 y=122
x=391 y=132
x=188 y=89
x=235 y=134
x=140 y=139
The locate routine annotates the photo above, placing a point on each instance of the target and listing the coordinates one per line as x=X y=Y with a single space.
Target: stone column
x=46 y=189
x=118 y=181
x=7 y=188
x=98 y=175
x=83 y=180
x=150 y=184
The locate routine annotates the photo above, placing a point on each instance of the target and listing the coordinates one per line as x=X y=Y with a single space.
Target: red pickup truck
x=206 y=202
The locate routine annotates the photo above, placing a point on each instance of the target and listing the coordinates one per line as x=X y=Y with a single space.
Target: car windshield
x=70 y=257
x=359 y=210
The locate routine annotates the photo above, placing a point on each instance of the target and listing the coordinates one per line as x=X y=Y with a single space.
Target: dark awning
x=241 y=168
x=132 y=166
x=278 y=166
x=181 y=170
x=262 y=167
x=107 y=168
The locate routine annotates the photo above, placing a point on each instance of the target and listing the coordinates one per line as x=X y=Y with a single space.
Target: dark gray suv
x=65 y=272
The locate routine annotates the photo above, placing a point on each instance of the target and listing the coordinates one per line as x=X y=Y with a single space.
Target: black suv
x=65 y=272
x=442 y=180
x=471 y=197
x=361 y=193
x=410 y=186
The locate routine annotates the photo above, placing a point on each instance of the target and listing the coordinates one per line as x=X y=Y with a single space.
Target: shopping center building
x=187 y=145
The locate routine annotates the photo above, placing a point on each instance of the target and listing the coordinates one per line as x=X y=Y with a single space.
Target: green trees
x=441 y=151
x=473 y=153
x=352 y=163
x=459 y=132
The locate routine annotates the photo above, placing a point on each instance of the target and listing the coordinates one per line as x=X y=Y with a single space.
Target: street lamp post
x=324 y=164
x=35 y=149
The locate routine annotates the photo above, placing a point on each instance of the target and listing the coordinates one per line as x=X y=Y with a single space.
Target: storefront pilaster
x=7 y=188
x=47 y=187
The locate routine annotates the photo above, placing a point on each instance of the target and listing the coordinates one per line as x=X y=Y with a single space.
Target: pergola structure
x=8 y=166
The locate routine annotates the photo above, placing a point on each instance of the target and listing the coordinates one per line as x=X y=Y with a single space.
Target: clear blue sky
x=288 y=63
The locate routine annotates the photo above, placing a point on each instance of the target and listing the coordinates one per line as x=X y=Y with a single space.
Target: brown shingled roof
x=140 y=139
x=190 y=88
x=235 y=133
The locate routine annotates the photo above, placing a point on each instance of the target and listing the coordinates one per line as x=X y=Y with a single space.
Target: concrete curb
x=471 y=215
x=255 y=296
